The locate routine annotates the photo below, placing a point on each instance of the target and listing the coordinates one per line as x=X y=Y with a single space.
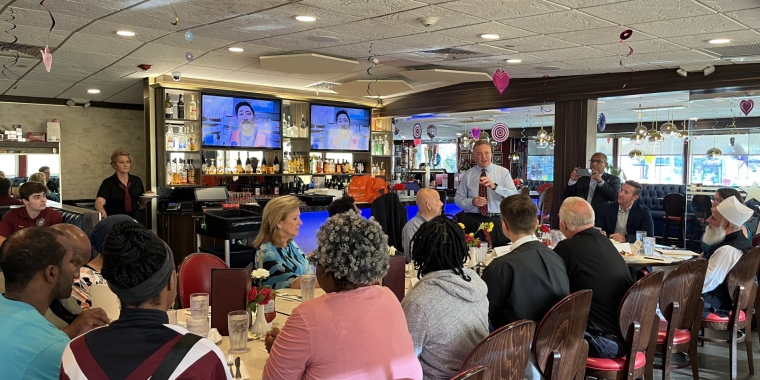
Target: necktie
x=483 y=192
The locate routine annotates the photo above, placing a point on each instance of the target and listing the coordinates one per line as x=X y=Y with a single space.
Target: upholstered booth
x=534 y=184
x=651 y=197
x=82 y=218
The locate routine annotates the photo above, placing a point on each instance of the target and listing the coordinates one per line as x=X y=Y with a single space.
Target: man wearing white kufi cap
x=724 y=232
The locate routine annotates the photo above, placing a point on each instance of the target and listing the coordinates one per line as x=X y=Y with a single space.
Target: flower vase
x=473 y=256
x=259 y=326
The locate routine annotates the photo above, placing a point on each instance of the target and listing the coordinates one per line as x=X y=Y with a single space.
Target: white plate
x=149 y=195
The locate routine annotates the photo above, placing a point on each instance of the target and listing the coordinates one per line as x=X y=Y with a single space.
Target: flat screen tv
x=240 y=122
x=340 y=128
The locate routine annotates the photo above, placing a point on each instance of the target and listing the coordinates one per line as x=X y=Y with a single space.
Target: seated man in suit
x=727 y=244
x=593 y=262
x=621 y=220
x=598 y=189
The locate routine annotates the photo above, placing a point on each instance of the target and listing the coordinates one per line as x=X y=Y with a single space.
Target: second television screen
x=339 y=128
x=241 y=122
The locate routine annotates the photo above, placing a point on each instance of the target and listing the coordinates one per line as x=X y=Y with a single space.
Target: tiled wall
x=88 y=137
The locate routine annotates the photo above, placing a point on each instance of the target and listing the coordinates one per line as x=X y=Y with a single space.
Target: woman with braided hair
x=139 y=268
x=447 y=311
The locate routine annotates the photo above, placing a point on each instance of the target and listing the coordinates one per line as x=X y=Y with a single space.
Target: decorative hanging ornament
x=683 y=135
x=47 y=58
x=189 y=36
x=500 y=80
x=432 y=131
x=714 y=154
x=601 y=122
x=500 y=132
x=542 y=142
x=626 y=34
x=541 y=134
x=637 y=139
x=417 y=131
x=747 y=106
x=640 y=129
x=475 y=133
x=669 y=129
x=655 y=139
x=635 y=155
x=514 y=157
x=189 y=56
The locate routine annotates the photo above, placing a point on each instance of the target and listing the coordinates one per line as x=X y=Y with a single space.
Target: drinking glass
x=199 y=305
x=308 y=282
x=237 y=323
x=649 y=246
x=640 y=235
x=198 y=326
x=172 y=316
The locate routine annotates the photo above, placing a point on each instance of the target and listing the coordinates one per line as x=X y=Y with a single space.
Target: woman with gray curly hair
x=357 y=330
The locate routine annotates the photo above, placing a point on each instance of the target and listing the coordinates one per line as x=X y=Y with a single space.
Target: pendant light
x=668 y=128
x=635 y=155
x=514 y=157
x=654 y=138
x=550 y=138
x=465 y=142
x=637 y=139
x=714 y=154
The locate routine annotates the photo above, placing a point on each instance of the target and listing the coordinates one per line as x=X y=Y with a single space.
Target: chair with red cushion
x=195 y=276
x=544 y=187
x=681 y=304
x=756 y=240
x=477 y=373
x=637 y=321
x=558 y=346
x=504 y=352
x=675 y=216
x=741 y=287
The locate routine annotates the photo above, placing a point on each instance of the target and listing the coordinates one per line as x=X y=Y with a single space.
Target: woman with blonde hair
x=40 y=178
x=277 y=252
x=121 y=193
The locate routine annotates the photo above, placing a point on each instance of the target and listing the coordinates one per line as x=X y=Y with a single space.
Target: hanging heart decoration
x=747 y=106
x=417 y=131
x=432 y=131
x=601 y=123
x=475 y=133
x=500 y=80
x=500 y=132
x=47 y=58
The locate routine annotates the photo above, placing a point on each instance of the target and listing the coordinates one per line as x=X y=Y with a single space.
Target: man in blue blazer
x=621 y=220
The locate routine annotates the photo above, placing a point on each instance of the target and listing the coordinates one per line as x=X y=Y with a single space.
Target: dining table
x=256 y=354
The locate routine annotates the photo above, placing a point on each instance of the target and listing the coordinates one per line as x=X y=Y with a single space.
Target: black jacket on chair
x=639 y=219
x=388 y=211
x=602 y=195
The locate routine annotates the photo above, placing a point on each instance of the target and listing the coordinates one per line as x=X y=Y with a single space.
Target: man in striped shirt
x=139 y=268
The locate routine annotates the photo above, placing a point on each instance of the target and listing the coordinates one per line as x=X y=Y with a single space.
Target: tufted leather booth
x=534 y=184
x=651 y=197
x=82 y=218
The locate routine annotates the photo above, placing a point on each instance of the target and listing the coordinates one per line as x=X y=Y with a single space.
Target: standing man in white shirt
x=725 y=232
x=481 y=190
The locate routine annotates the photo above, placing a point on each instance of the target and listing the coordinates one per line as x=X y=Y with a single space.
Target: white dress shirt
x=592 y=184
x=718 y=266
x=521 y=241
x=469 y=186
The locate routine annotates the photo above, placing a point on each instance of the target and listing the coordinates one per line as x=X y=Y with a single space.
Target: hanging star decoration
x=189 y=56
x=753 y=192
x=189 y=36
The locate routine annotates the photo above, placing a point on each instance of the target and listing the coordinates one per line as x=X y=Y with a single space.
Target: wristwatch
x=495 y=185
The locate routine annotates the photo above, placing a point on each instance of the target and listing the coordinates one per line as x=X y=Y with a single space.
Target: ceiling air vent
x=30 y=50
x=451 y=53
x=736 y=50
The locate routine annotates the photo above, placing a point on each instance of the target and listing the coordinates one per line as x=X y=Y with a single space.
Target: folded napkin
x=244 y=371
x=214 y=336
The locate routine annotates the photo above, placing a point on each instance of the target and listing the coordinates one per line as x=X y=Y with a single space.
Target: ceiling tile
x=601 y=36
x=700 y=41
x=255 y=68
x=281 y=20
x=361 y=50
x=373 y=29
x=296 y=43
x=130 y=95
x=575 y=4
x=581 y=52
x=254 y=51
x=40 y=75
x=30 y=35
x=177 y=39
x=41 y=89
x=89 y=43
x=108 y=29
x=85 y=9
x=99 y=83
x=675 y=56
x=222 y=61
x=472 y=32
x=533 y=43
x=639 y=11
x=730 y=5
x=198 y=72
x=749 y=18
x=221 y=31
x=364 y=8
x=427 y=41
x=639 y=47
x=238 y=6
x=40 y=18
x=159 y=67
x=112 y=74
x=5 y=84
x=343 y=38
x=503 y=9
x=60 y=68
x=715 y=23
x=488 y=49
x=80 y=91
x=559 y=22
x=447 y=18
x=71 y=57
x=611 y=64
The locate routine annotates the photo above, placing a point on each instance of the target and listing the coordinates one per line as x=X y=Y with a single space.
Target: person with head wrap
x=139 y=269
x=727 y=244
x=357 y=330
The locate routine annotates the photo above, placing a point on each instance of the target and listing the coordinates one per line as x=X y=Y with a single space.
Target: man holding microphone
x=481 y=190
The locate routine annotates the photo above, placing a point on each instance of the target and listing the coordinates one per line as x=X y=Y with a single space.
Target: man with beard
x=727 y=244
x=38 y=263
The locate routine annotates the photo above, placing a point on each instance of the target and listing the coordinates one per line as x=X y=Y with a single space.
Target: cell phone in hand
x=585 y=172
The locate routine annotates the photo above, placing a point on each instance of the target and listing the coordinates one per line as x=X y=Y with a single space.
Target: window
x=540 y=162
x=447 y=153
x=739 y=165
x=8 y=164
x=604 y=145
x=35 y=161
x=658 y=165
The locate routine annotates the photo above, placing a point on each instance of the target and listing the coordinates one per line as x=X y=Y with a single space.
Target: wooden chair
x=477 y=373
x=395 y=279
x=681 y=304
x=558 y=345
x=504 y=352
x=638 y=322
x=742 y=288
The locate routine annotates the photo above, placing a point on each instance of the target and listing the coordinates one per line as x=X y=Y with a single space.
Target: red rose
x=545 y=228
x=252 y=294
x=267 y=293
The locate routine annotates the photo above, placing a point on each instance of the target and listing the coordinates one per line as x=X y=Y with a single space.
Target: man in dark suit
x=593 y=262
x=621 y=220
x=598 y=189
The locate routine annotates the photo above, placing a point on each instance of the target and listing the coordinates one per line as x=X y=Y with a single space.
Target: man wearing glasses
x=594 y=185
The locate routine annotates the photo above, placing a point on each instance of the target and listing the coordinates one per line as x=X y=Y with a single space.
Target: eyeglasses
x=593 y=161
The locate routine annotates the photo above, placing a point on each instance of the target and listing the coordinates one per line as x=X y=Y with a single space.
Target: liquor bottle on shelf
x=192 y=112
x=276 y=188
x=347 y=167
x=168 y=108
x=312 y=167
x=190 y=172
x=192 y=141
x=285 y=163
x=276 y=164
x=169 y=137
x=248 y=167
x=264 y=167
x=338 y=168
x=181 y=139
x=239 y=166
x=284 y=127
x=175 y=172
x=180 y=108
x=168 y=171
x=182 y=172
x=304 y=127
x=256 y=187
x=204 y=168
x=386 y=148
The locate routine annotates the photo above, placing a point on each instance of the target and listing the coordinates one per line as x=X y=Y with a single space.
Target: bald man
x=429 y=206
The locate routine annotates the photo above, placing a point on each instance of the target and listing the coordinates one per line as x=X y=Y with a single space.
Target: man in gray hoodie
x=447 y=311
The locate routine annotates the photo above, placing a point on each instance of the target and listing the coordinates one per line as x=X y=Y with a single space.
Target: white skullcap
x=734 y=211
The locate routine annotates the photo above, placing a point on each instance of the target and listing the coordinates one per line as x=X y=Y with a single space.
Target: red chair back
x=195 y=276
x=504 y=352
x=756 y=240
x=544 y=187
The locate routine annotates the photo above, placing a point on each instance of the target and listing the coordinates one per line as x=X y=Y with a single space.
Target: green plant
x=617 y=172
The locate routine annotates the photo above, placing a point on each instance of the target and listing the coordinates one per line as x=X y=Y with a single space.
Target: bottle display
x=248 y=167
x=192 y=141
x=276 y=164
x=192 y=112
x=169 y=109
x=238 y=166
x=169 y=177
x=169 y=137
x=180 y=108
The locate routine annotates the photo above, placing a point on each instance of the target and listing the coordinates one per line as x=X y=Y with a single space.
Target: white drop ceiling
x=581 y=37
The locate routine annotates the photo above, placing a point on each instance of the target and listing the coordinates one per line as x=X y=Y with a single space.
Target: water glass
x=308 y=283
x=198 y=326
x=640 y=235
x=172 y=316
x=649 y=246
x=199 y=305
x=237 y=323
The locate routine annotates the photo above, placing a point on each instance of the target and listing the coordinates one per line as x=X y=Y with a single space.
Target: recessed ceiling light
x=720 y=41
x=600 y=101
x=490 y=36
x=126 y=33
x=93 y=91
x=306 y=18
x=514 y=60
x=235 y=49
